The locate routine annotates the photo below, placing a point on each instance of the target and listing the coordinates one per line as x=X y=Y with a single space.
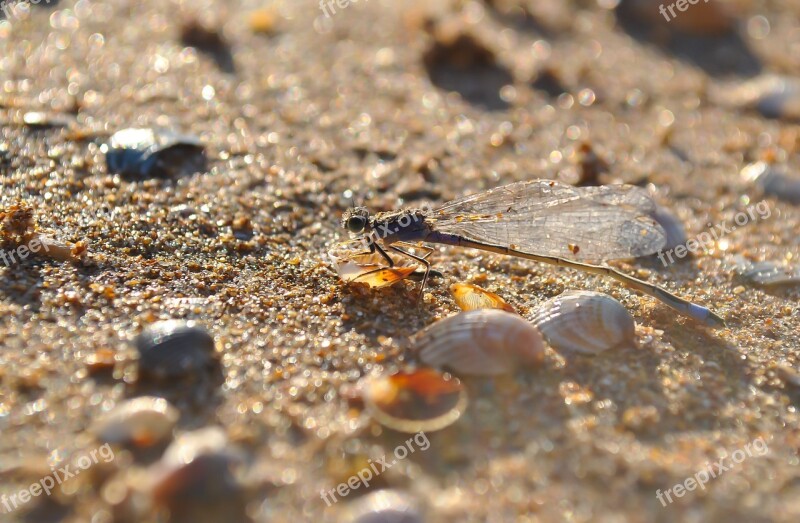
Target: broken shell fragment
x=484 y=342
x=585 y=322
x=471 y=297
x=147 y=152
x=414 y=401
x=142 y=422
x=354 y=266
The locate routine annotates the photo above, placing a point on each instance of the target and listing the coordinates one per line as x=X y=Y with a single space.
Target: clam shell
x=414 y=401
x=484 y=342
x=584 y=322
x=143 y=421
x=471 y=297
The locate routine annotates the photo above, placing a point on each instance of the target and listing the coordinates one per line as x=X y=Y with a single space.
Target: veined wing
x=551 y=218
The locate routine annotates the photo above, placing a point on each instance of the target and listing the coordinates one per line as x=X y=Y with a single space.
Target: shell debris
x=471 y=297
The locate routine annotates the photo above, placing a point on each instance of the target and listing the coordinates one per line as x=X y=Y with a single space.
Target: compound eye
x=356 y=223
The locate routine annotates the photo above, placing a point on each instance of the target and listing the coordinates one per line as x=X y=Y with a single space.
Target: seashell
x=470 y=297
x=584 y=322
x=773 y=182
x=675 y=233
x=414 y=401
x=148 y=152
x=384 y=506
x=353 y=266
x=766 y=273
x=195 y=478
x=773 y=96
x=170 y=349
x=485 y=342
x=142 y=421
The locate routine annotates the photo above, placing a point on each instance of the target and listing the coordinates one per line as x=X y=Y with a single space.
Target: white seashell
x=675 y=233
x=483 y=342
x=773 y=182
x=142 y=421
x=584 y=322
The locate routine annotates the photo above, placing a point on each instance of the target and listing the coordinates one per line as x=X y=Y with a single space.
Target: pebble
x=174 y=348
x=143 y=422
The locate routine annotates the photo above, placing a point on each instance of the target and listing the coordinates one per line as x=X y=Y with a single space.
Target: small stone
x=173 y=348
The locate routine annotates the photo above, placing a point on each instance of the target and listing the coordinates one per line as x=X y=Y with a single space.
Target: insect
x=540 y=220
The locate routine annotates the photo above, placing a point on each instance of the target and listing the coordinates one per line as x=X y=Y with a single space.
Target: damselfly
x=540 y=220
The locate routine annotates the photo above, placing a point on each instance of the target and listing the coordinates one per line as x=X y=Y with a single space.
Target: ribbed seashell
x=773 y=182
x=766 y=273
x=383 y=506
x=142 y=421
x=413 y=401
x=584 y=322
x=484 y=342
x=675 y=233
x=471 y=297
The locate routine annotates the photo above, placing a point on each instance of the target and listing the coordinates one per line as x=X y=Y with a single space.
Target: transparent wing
x=551 y=218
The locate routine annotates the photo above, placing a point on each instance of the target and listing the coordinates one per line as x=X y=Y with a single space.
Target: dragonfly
x=541 y=220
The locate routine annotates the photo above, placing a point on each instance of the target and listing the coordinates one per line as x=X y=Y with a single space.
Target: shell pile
x=471 y=297
x=585 y=322
x=485 y=342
